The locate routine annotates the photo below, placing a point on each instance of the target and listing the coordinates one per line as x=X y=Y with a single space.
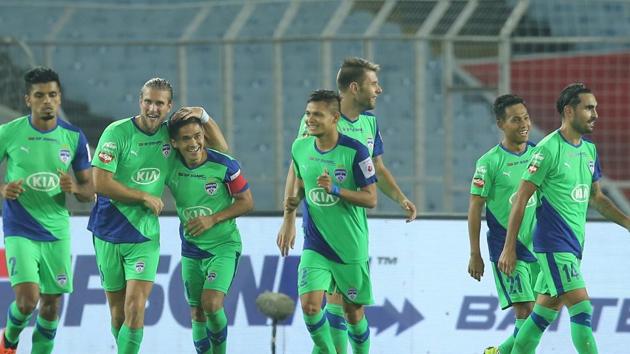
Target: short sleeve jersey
x=334 y=227
x=137 y=160
x=497 y=177
x=205 y=190
x=36 y=157
x=563 y=174
x=364 y=129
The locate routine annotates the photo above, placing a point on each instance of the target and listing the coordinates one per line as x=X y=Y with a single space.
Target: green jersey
x=205 y=190
x=137 y=160
x=497 y=177
x=364 y=129
x=35 y=157
x=334 y=227
x=563 y=174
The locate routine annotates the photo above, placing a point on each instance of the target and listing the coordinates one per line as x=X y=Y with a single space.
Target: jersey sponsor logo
x=480 y=172
x=537 y=158
x=367 y=167
x=25 y=149
x=580 y=193
x=212 y=276
x=105 y=157
x=43 y=181
x=352 y=293
x=211 y=188
x=139 y=266
x=110 y=145
x=146 y=175
x=196 y=211
x=166 y=150
x=320 y=197
x=64 y=155
x=591 y=166
x=62 y=279
x=478 y=182
x=340 y=174
x=530 y=202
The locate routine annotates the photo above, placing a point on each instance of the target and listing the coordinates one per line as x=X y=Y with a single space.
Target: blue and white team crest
x=62 y=279
x=340 y=174
x=212 y=276
x=370 y=143
x=211 y=188
x=64 y=155
x=166 y=150
x=139 y=267
x=352 y=293
x=591 y=166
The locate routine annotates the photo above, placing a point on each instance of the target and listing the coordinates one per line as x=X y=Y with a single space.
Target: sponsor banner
x=425 y=300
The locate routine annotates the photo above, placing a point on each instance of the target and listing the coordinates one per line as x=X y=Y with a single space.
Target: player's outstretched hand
x=410 y=208
x=12 y=190
x=291 y=204
x=154 y=204
x=476 y=266
x=507 y=261
x=187 y=112
x=199 y=225
x=66 y=182
x=325 y=181
x=286 y=238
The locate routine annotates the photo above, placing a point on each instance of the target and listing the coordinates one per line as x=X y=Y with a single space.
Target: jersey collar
x=42 y=131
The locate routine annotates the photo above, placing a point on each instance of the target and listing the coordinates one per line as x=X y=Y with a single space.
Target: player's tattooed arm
x=387 y=184
x=475 y=263
x=507 y=260
x=294 y=193
x=82 y=188
x=105 y=184
x=212 y=132
x=606 y=207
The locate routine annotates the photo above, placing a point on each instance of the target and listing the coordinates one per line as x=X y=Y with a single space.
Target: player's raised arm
x=364 y=197
x=212 y=132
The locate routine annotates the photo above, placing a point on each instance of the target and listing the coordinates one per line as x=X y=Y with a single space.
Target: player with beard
x=357 y=81
x=40 y=149
x=565 y=170
x=495 y=181
x=132 y=160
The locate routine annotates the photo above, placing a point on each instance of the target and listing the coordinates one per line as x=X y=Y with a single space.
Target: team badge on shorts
x=212 y=276
x=352 y=293
x=62 y=279
x=139 y=267
x=64 y=155
x=340 y=174
x=166 y=150
x=211 y=188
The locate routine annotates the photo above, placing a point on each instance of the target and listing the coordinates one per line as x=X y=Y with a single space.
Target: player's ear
x=174 y=143
x=27 y=100
x=336 y=116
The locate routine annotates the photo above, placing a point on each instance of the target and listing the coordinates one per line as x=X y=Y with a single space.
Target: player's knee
x=523 y=311
x=27 y=304
x=197 y=314
x=310 y=308
x=134 y=306
x=49 y=307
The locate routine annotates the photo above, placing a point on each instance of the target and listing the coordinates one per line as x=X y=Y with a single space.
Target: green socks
x=338 y=328
x=581 y=331
x=319 y=330
x=506 y=346
x=44 y=336
x=531 y=331
x=115 y=331
x=359 y=335
x=200 y=337
x=129 y=340
x=16 y=322
x=217 y=323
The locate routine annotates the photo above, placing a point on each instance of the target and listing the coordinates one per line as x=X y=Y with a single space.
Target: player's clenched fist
x=12 y=190
x=153 y=203
x=325 y=181
x=66 y=182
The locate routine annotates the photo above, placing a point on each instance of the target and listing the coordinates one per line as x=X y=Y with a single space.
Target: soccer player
x=133 y=157
x=210 y=192
x=40 y=149
x=335 y=224
x=357 y=82
x=565 y=169
x=497 y=176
